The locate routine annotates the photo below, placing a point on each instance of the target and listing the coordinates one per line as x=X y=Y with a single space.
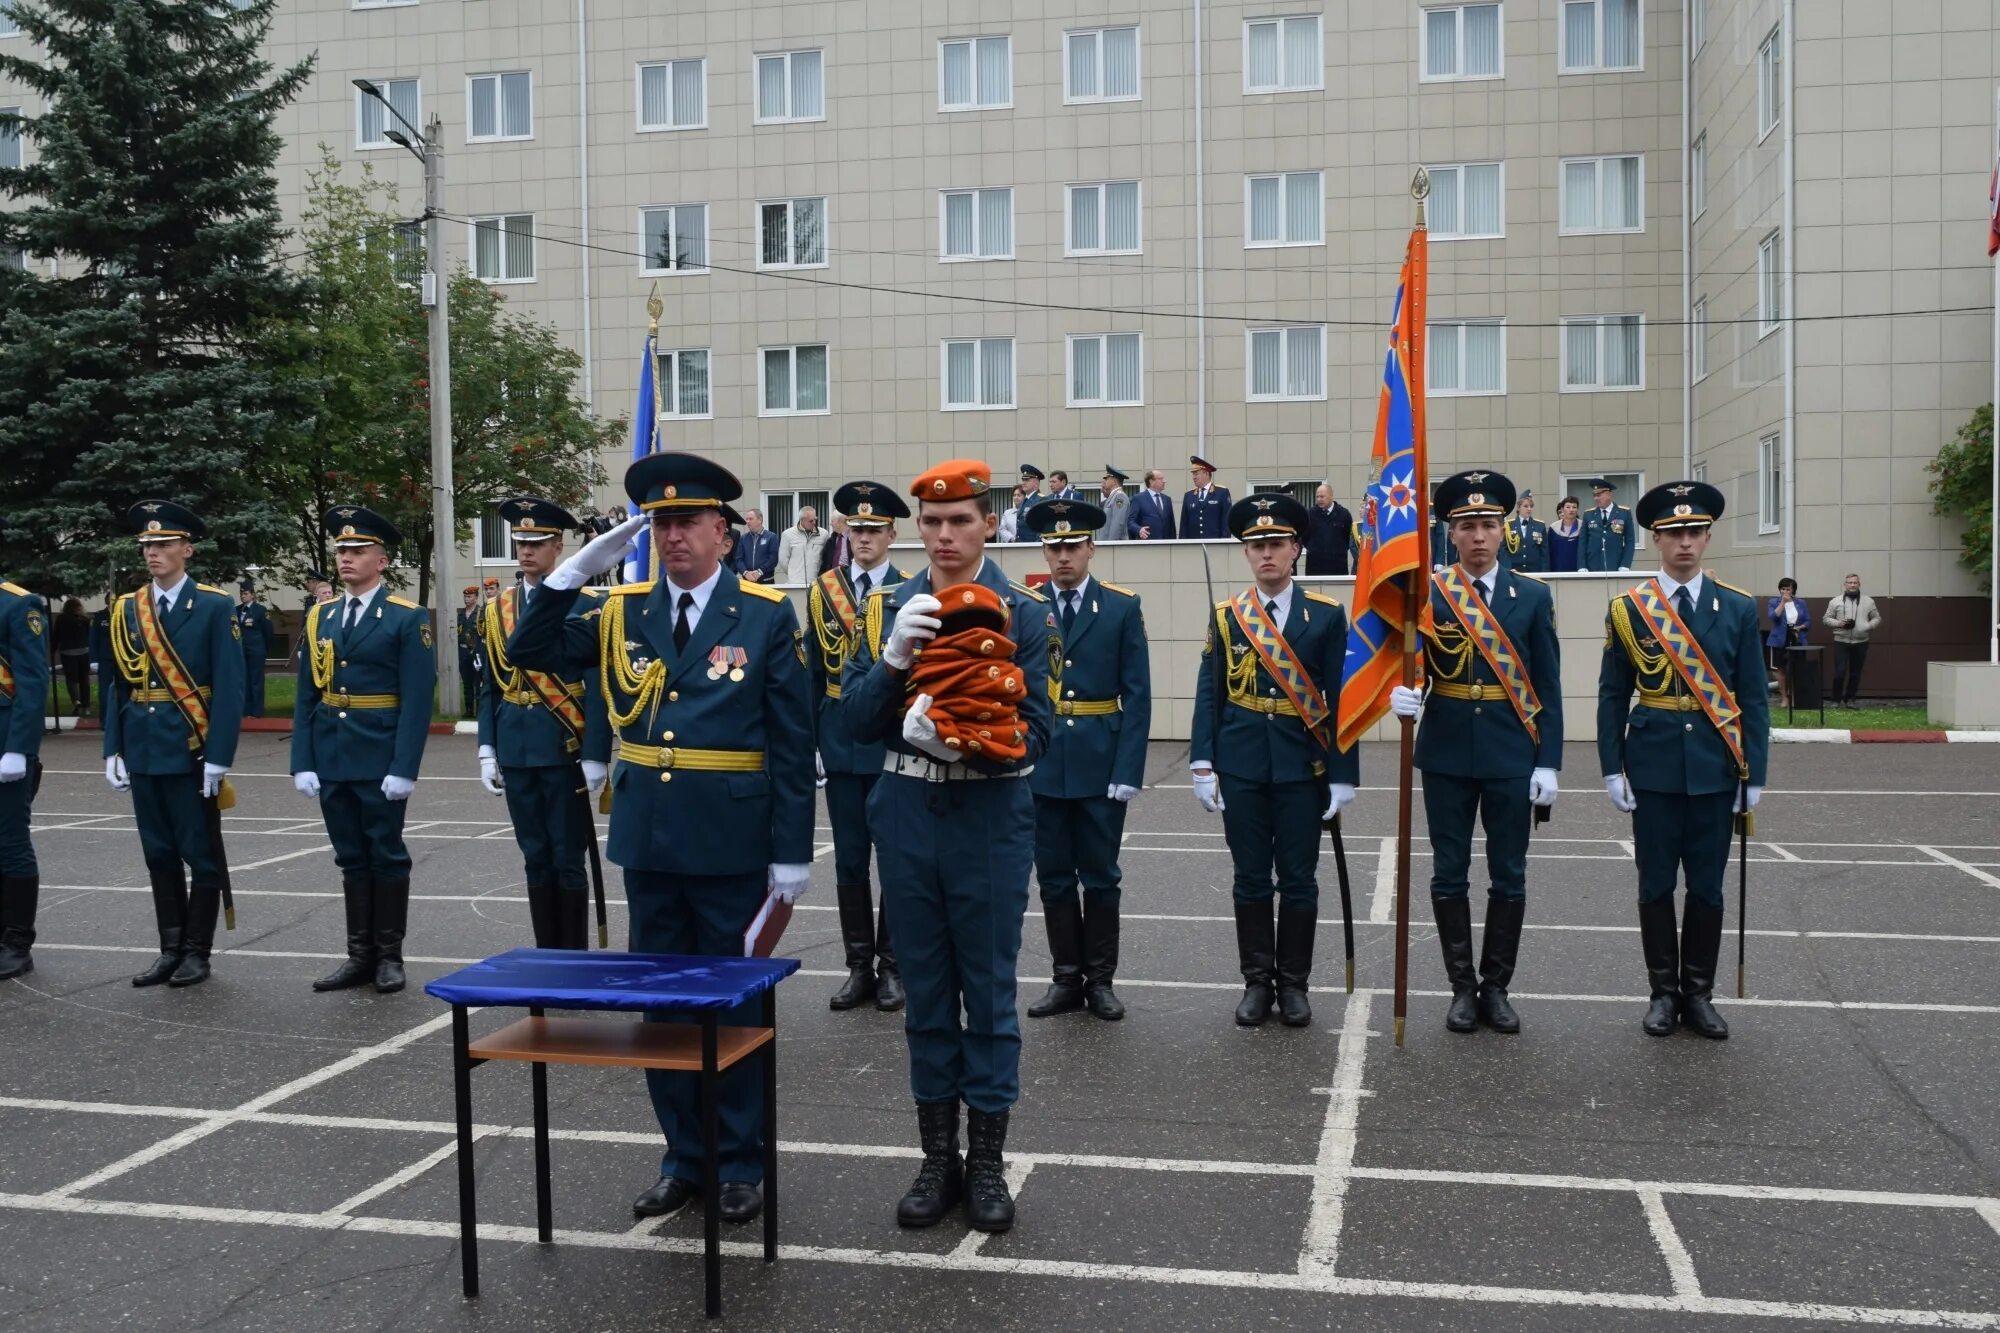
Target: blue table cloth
x=572 y=979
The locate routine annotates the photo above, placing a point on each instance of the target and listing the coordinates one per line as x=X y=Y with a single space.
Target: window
x=9 y=27
x=1465 y=201
x=683 y=384
x=1770 y=83
x=1698 y=176
x=976 y=224
x=781 y=508
x=499 y=107
x=791 y=86
x=503 y=248
x=676 y=238
x=383 y=4
x=496 y=538
x=1600 y=35
x=1467 y=358
x=1603 y=352
x=1101 y=65
x=1282 y=55
x=407 y=253
x=1770 y=484
x=1105 y=370
x=1698 y=351
x=10 y=139
x=1287 y=364
x=375 y=121
x=14 y=257
x=1460 y=42
x=792 y=233
x=1104 y=219
x=1770 y=284
x=673 y=95
x=792 y=381
x=1284 y=210
x=975 y=74
x=1698 y=25
x=978 y=374
x=1602 y=194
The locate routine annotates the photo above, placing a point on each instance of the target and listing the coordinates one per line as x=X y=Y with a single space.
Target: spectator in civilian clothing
x=1852 y=617
x=1791 y=622
x=757 y=553
x=799 y=548
x=1152 y=516
x=835 y=554
x=1329 y=533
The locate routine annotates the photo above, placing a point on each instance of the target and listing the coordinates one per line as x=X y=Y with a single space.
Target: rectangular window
x=1770 y=484
x=499 y=106
x=1698 y=176
x=1105 y=370
x=1602 y=194
x=496 y=537
x=1466 y=201
x=8 y=27
x=792 y=233
x=407 y=255
x=1603 y=352
x=503 y=248
x=792 y=381
x=1770 y=284
x=1467 y=358
x=1283 y=210
x=1601 y=35
x=14 y=257
x=1283 y=55
x=1770 y=83
x=10 y=139
x=1698 y=352
x=684 y=384
x=673 y=95
x=676 y=238
x=975 y=74
x=781 y=508
x=375 y=121
x=1101 y=65
x=976 y=224
x=791 y=85
x=1460 y=42
x=1104 y=219
x=978 y=374
x=1286 y=364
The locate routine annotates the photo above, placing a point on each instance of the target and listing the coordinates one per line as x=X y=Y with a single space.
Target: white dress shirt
x=173 y=594
x=701 y=593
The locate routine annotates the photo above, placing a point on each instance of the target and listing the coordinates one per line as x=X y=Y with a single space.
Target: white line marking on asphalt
x=1785 y=855
x=1015 y=1170
x=1320 y=1253
x=1680 y=1264
x=1941 y=858
x=1990 y=1210
x=400 y=1178
x=273 y=860
x=1381 y=907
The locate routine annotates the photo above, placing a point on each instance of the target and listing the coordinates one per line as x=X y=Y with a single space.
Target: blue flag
x=645 y=439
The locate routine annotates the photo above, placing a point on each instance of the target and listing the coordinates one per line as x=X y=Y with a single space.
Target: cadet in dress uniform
x=954 y=829
x=469 y=613
x=1609 y=534
x=1694 y=750
x=170 y=732
x=24 y=683
x=1204 y=509
x=1527 y=543
x=367 y=679
x=704 y=678
x=1263 y=754
x=253 y=624
x=543 y=739
x=847 y=768
x=1490 y=742
x=1095 y=763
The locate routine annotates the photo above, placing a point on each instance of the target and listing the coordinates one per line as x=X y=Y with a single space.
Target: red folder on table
x=761 y=935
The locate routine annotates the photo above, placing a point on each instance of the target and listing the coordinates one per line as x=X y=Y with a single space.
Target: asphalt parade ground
x=249 y=1155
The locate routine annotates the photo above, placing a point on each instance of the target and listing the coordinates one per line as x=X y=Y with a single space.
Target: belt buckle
x=1687 y=703
x=934 y=771
x=1268 y=705
x=1477 y=690
x=666 y=756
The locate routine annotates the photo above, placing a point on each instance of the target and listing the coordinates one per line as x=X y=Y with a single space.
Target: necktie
x=162 y=606
x=1069 y=609
x=1683 y=603
x=527 y=593
x=681 y=621
x=861 y=586
x=353 y=613
x=1271 y=610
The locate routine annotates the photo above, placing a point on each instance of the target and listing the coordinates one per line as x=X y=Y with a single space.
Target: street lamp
x=436 y=297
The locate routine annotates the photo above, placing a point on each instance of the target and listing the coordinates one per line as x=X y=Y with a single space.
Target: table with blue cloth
x=692 y=993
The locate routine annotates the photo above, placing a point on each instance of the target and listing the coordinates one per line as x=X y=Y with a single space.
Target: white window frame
x=1458 y=30
x=383 y=4
x=1603 y=323
x=792 y=394
x=1138 y=65
x=1698 y=351
x=1319 y=49
x=1770 y=484
x=1069 y=241
x=667 y=406
x=1461 y=168
x=9 y=28
x=1565 y=65
x=646 y=268
x=1598 y=161
x=639 y=94
x=978 y=255
x=756 y=87
x=472 y=226
x=499 y=106
x=791 y=232
x=1103 y=369
x=979 y=373
x=1770 y=82
x=389 y=121
x=1698 y=177
x=20 y=147
x=1284 y=179
x=1770 y=284
x=1431 y=358
x=496 y=536
x=973 y=42
x=1285 y=359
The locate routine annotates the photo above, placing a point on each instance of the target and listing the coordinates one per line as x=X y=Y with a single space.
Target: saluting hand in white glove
x=602 y=553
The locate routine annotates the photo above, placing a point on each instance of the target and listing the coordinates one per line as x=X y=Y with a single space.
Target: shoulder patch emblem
x=424 y=632
x=760 y=591
x=34 y=621
x=235 y=628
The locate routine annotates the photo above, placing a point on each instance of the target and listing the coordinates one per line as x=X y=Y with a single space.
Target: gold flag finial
x=1420 y=190
x=654 y=307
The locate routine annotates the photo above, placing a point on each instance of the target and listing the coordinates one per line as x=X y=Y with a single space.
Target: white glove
x=1542 y=787
x=398 y=789
x=489 y=772
x=1620 y=792
x=1405 y=702
x=13 y=766
x=790 y=882
x=916 y=624
x=1750 y=794
x=1339 y=797
x=1121 y=793
x=1208 y=791
x=602 y=553
x=211 y=779
x=595 y=775
x=306 y=784
x=114 y=773
x=921 y=732
x=819 y=770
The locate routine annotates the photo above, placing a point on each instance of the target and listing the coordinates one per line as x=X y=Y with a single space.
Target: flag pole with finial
x=1413 y=361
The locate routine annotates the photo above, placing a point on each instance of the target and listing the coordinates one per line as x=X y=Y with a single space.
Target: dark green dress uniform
x=469 y=657
x=253 y=625
x=24 y=683
x=1683 y=773
x=1609 y=536
x=147 y=726
x=367 y=684
x=1527 y=549
x=833 y=612
x=1103 y=692
x=714 y=781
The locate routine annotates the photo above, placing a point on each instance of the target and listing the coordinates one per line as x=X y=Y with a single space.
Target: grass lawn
x=1912 y=717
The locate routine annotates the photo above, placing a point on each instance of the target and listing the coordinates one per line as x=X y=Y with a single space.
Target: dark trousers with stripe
x=1675 y=834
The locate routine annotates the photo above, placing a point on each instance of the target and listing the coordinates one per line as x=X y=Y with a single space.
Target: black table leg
x=544 y=1210
x=711 y=1185
x=468 y=1221
x=771 y=1127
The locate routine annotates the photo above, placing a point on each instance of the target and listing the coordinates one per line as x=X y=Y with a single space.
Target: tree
x=147 y=234
x=1962 y=487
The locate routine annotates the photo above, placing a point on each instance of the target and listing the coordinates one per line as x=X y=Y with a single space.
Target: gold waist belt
x=833 y=689
x=1086 y=707
x=531 y=698
x=165 y=696
x=1445 y=689
x=1264 y=704
x=344 y=700
x=700 y=761
x=1673 y=703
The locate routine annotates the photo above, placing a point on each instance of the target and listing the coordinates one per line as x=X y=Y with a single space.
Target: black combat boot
x=391 y=905
x=1297 y=927
x=888 y=976
x=1454 y=923
x=18 y=896
x=941 y=1179
x=1496 y=962
x=170 y=913
x=857 y=933
x=573 y=918
x=359 y=969
x=1701 y=943
x=1663 y=966
x=1100 y=959
x=1256 y=950
x=1065 y=993
x=989 y=1205
x=204 y=903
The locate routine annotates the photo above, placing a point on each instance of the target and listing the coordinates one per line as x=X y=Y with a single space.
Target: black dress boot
x=543 y=917
x=1256 y=954
x=1065 y=993
x=1701 y=944
x=857 y=934
x=170 y=914
x=1454 y=923
x=888 y=976
x=359 y=969
x=989 y=1205
x=1496 y=962
x=1297 y=927
x=1663 y=966
x=391 y=905
x=204 y=902
x=941 y=1179
x=573 y=918
x=1100 y=960
x=18 y=896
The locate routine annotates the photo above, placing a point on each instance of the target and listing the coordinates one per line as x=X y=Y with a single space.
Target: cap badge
x=151 y=506
x=1059 y=507
x=347 y=531
x=671 y=492
x=967 y=598
x=938 y=487
x=1062 y=525
x=1475 y=478
x=153 y=526
x=1682 y=489
x=1263 y=521
x=345 y=512
x=976 y=486
x=1475 y=498
x=1682 y=511
x=864 y=509
x=1265 y=504
x=864 y=488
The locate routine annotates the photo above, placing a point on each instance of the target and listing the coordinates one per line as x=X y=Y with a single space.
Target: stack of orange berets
x=969 y=672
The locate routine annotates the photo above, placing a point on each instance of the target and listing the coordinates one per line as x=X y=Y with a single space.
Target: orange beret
x=957 y=479
x=965 y=606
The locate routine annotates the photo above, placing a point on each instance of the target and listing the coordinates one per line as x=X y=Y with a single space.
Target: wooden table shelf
x=617 y=1044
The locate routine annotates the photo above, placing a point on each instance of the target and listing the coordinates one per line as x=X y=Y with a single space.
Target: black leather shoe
x=1064 y=996
x=1495 y=1011
x=740 y=1201
x=1662 y=1016
x=989 y=1204
x=1463 y=1015
x=1294 y=1009
x=888 y=990
x=1698 y=1016
x=351 y=972
x=941 y=1179
x=668 y=1196
x=164 y=966
x=388 y=976
x=15 y=960
x=193 y=970
x=857 y=990
x=1255 y=1005
x=1103 y=1002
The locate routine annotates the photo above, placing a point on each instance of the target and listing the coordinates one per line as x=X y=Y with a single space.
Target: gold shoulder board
x=1532 y=578
x=404 y=602
x=16 y=589
x=1112 y=587
x=1741 y=592
x=209 y=587
x=593 y=594
x=1026 y=591
x=1322 y=598
x=759 y=590
x=628 y=589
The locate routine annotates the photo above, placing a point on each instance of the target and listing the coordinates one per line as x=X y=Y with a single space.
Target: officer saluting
x=253 y=625
x=24 y=683
x=1263 y=755
x=1490 y=742
x=170 y=732
x=848 y=768
x=543 y=738
x=1095 y=763
x=366 y=680
x=1693 y=751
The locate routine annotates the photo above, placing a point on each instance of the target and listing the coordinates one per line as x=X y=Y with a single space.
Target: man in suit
x=1489 y=743
x=1609 y=534
x=24 y=683
x=1059 y=487
x=1329 y=534
x=1115 y=503
x=170 y=732
x=1205 y=508
x=253 y=623
x=1526 y=544
x=1152 y=516
x=756 y=550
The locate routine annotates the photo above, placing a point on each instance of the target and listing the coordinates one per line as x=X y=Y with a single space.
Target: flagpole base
x=1350 y=976
x=1739 y=983
x=1399 y=1034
